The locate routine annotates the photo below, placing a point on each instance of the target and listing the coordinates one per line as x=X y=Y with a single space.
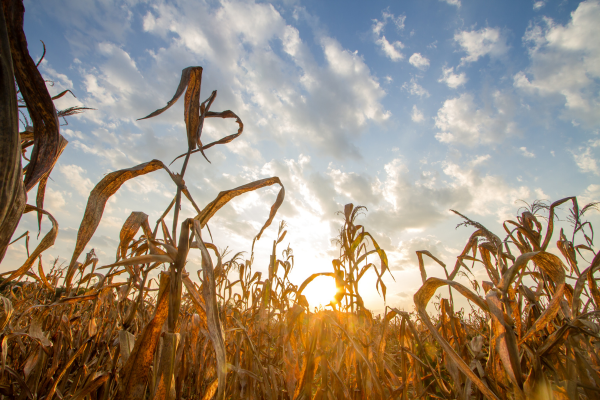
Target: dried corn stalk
x=112 y=330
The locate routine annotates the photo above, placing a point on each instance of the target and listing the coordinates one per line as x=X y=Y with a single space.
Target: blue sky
x=410 y=108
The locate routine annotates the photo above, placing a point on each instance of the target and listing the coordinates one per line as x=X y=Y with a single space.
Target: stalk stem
x=178 y=197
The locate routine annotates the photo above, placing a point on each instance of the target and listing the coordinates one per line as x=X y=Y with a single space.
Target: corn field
x=141 y=328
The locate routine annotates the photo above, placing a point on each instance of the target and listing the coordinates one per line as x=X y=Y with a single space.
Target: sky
x=410 y=108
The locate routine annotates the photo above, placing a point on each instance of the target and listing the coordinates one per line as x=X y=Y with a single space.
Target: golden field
x=91 y=331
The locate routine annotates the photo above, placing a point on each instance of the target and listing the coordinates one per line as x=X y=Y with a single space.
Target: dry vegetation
x=88 y=331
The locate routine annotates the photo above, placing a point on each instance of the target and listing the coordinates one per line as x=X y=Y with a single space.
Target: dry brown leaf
x=39 y=103
x=554 y=269
x=215 y=327
x=130 y=228
x=126 y=343
x=12 y=192
x=108 y=186
x=132 y=385
x=45 y=243
x=506 y=341
x=422 y=298
x=224 y=140
x=91 y=387
x=191 y=78
x=137 y=260
x=225 y=196
x=41 y=192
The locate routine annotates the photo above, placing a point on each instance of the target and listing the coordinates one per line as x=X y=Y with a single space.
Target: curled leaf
x=12 y=192
x=422 y=298
x=130 y=228
x=45 y=243
x=225 y=196
x=94 y=209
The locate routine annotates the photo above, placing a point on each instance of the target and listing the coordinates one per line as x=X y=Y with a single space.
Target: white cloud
x=392 y=50
x=453 y=2
x=54 y=200
x=486 y=41
x=56 y=78
x=57 y=83
x=146 y=184
x=460 y=120
x=585 y=158
x=416 y=115
x=408 y=248
x=539 y=4
x=116 y=158
x=75 y=177
x=421 y=203
x=72 y=134
x=116 y=88
x=292 y=97
x=355 y=187
x=418 y=61
x=491 y=194
x=590 y=195
x=451 y=79
x=566 y=63
x=397 y=200
x=415 y=89
x=398 y=21
x=480 y=159
x=526 y=153
x=87 y=21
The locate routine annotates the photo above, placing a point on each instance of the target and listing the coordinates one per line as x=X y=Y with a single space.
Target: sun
x=321 y=291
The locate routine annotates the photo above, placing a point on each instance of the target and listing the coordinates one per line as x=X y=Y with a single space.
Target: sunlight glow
x=320 y=292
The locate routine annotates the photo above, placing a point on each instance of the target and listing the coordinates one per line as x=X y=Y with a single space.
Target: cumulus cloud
x=480 y=159
x=293 y=96
x=386 y=17
x=72 y=134
x=416 y=115
x=288 y=96
x=115 y=157
x=526 y=153
x=485 y=41
x=586 y=159
x=398 y=199
x=355 y=187
x=414 y=88
x=392 y=50
x=76 y=177
x=57 y=83
x=537 y=5
x=451 y=79
x=407 y=250
x=419 y=61
x=118 y=83
x=453 y=2
x=87 y=21
x=565 y=63
x=590 y=195
x=54 y=199
x=461 y=121
x=418 y=204
x=490 y=194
